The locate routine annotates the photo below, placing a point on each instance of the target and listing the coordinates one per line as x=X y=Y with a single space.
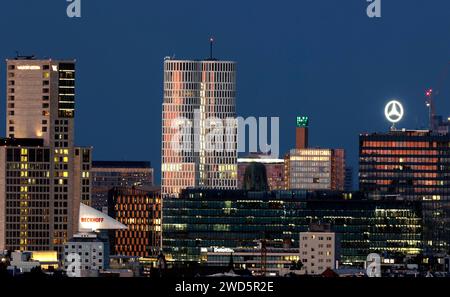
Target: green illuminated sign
x=302 y=121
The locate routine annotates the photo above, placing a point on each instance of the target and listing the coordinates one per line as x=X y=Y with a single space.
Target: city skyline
x=224 y=146
x=369 y=63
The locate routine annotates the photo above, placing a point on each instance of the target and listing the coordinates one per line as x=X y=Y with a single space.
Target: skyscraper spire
x=211 y=45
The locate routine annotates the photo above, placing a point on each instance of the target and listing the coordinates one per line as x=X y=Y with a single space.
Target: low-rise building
x=85 y=254
x=259 y=261
x=318 y=250
x=202 y=218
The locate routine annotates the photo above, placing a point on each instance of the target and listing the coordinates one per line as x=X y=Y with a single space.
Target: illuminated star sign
x=394 y=111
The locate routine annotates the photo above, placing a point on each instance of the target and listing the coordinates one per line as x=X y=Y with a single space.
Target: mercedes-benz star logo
x=393 y=111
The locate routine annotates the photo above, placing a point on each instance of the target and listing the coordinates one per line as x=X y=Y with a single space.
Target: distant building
x=441 y=125
x=274 y=170
x=413 y=164
x=25 y=261
x=308 y=168
x=202 y=218
x=316 y=169
x=22 y=262
x=140 y=210
x=196 y=91
x=85 y=255
x=301 y=133
x=109 y=174
x=348 y=181
x=269 y=262
x=318 y=250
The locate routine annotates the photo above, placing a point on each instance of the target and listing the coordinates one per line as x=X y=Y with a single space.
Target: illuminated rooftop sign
x=302 y=122
x=28 y=67
x=394 y=111
x=93 y=220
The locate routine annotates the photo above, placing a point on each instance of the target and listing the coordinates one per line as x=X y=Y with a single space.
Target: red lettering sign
x=92 y=220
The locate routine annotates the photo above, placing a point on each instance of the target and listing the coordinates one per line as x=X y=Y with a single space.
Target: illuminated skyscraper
x=198 y=97
x=43 y=176
x=415 y=165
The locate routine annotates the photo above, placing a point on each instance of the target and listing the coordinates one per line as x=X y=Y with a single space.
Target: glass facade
x=198 y=94
x=316 y=169
x=140 y=211
x=240 y=219
x=66 y=91
x=109 y=174
x=414 y=164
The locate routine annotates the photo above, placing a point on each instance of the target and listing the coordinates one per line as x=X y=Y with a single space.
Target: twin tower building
x=199 y=139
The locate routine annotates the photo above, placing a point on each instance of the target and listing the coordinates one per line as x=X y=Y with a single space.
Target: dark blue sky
x=321 y=58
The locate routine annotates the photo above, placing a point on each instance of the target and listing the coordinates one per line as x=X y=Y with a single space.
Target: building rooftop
x=21 y=142
x=121 y=164
x=136 y=190
x=288 y=195
x=406 y=132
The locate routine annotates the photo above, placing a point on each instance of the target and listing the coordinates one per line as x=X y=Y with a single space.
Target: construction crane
x=430 y=94
x=263 y=243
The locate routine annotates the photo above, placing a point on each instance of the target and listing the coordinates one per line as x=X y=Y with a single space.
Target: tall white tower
x=199 y=96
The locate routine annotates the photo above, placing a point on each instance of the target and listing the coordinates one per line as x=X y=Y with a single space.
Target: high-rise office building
x=140 y=210
x=109 y=174
x=199 y=97
x=43 y=176
x=414 y=164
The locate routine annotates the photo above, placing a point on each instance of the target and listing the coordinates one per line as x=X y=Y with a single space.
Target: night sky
x=321 y=58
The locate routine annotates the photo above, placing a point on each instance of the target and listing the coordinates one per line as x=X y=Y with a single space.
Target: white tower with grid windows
x=199 y=96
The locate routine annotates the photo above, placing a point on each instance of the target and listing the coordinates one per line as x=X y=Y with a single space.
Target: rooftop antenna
x=431 y=111
x=211 y=45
